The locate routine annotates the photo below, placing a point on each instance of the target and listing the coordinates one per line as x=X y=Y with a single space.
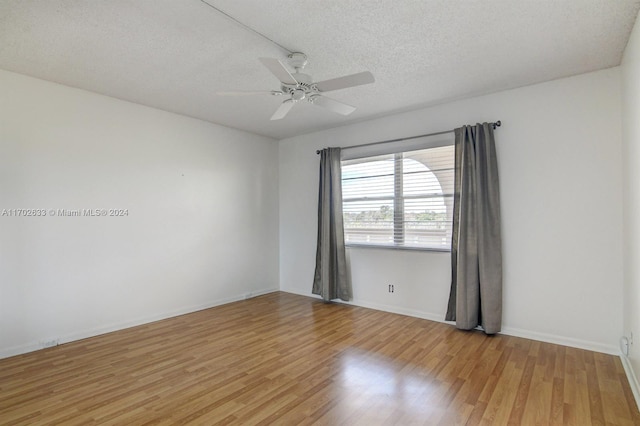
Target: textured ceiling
x=175 y=55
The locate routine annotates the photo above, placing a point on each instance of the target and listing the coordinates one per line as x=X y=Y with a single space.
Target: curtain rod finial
x=497 y=124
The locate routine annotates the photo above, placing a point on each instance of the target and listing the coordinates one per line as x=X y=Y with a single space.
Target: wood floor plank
x=501 y=402
x=288 y=359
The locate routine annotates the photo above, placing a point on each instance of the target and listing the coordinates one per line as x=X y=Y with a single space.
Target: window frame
x=399 y=222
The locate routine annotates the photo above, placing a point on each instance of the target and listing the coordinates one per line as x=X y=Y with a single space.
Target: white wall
x=202 y=227
x=559 y=151
x=631 y=154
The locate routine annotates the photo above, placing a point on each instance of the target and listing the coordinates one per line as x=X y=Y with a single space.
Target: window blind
x=402 y=199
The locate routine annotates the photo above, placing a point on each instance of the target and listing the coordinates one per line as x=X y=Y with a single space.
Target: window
x=402 y=200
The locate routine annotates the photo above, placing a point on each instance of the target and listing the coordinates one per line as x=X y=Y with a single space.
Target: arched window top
x=419 y=179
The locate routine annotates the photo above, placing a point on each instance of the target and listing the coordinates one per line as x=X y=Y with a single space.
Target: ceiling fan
x=299 y=86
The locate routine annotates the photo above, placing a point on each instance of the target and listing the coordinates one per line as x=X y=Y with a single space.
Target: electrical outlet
x=624 y=345
x=49 y=343
x=391 y=288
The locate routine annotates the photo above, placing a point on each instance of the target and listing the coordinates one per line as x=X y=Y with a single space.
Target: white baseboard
x=509 y=331
x=562 y=340
x=527 y=334
x=396 y=310
x=34 y=346
x=631 y=377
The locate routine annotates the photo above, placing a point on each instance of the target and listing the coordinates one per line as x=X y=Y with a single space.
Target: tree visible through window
x=399 y=200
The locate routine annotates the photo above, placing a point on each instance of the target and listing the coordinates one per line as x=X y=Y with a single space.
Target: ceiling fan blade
x=249 y=92
x=282 y=110
x=332 y=105
x=279 y=70
x=347 y=81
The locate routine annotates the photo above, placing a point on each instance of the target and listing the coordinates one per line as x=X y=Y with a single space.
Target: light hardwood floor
x=287 y=359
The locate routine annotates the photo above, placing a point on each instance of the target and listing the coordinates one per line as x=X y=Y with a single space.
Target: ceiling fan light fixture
x=298 y=95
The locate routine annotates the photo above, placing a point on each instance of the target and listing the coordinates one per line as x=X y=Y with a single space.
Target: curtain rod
x=495 y=124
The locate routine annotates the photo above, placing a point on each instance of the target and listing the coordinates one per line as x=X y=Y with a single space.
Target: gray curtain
x=331 y=280
x=476 y=248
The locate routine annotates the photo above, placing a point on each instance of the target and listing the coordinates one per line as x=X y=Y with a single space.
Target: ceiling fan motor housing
x=304 y=89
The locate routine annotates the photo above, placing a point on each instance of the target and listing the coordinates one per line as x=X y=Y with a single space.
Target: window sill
x=375 y=246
